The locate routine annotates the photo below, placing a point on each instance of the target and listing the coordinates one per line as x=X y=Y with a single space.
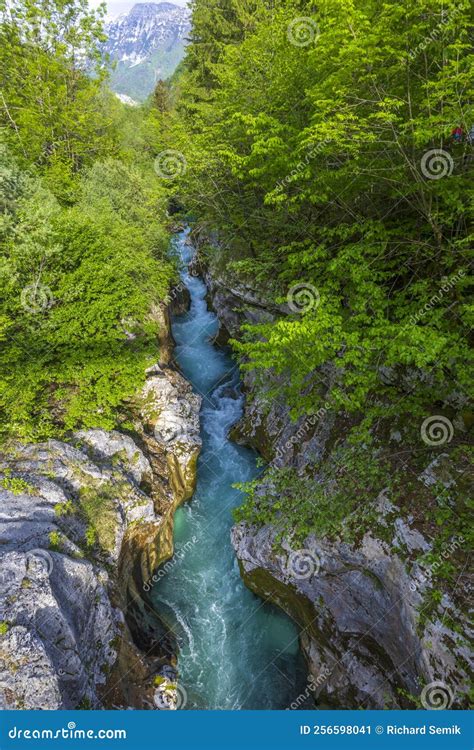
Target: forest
x=83 y=228
x=322 y=154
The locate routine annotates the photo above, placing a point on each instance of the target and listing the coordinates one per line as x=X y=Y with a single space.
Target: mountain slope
x=146 y=44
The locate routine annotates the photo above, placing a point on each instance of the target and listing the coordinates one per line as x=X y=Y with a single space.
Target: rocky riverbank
x=380 y=627
x=84 y=525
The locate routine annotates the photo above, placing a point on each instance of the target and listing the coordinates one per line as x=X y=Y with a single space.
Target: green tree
x=312 y=162
x=54 y=115
x=83 y=246
x=161 y=97
x=78 y=289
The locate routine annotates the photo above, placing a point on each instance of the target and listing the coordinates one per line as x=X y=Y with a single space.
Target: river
x=235 y=652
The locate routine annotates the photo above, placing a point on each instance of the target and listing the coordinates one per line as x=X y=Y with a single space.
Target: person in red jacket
x=457 y=134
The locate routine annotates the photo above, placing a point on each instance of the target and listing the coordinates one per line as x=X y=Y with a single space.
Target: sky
x=115 y=7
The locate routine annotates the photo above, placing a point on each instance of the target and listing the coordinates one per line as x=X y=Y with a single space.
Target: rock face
x=169 y=413
x=83 y=526
x=358 y=610
x=236 y=304
x=368 y=635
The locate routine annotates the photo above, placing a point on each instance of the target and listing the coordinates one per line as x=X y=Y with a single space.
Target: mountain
x=146 y=43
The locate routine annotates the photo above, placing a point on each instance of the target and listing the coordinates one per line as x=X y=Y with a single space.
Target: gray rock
x=78 y=537
x=409 y=538
x=112 y=444
x=27 y=677
x=235 y=303
x=358 y=616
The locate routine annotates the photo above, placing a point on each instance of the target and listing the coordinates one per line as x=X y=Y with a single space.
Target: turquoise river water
x=235 y=652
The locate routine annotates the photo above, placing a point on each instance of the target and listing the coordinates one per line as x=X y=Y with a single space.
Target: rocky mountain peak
x=146 y=44
x=140 y=9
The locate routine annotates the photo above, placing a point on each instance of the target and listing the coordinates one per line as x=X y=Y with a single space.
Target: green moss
x=98 y=506
x=17 y=485
x=64 y=509
x=54 y=540
x=119 y=458
x=91 y=536
x=4 y=627
x=149 y=407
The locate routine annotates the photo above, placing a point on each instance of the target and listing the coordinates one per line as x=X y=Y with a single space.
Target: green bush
x=78 y=286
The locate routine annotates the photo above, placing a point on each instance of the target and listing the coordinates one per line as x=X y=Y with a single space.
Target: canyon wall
x=378 y=629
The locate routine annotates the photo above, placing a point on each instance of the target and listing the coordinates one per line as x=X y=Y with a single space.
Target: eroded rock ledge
x=83 y=526
x=358 y=611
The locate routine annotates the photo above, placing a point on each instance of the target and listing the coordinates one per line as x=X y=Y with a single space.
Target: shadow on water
x=235 y=651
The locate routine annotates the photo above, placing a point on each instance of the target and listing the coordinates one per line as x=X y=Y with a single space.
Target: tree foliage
x=83 y=245
x=312 y=159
